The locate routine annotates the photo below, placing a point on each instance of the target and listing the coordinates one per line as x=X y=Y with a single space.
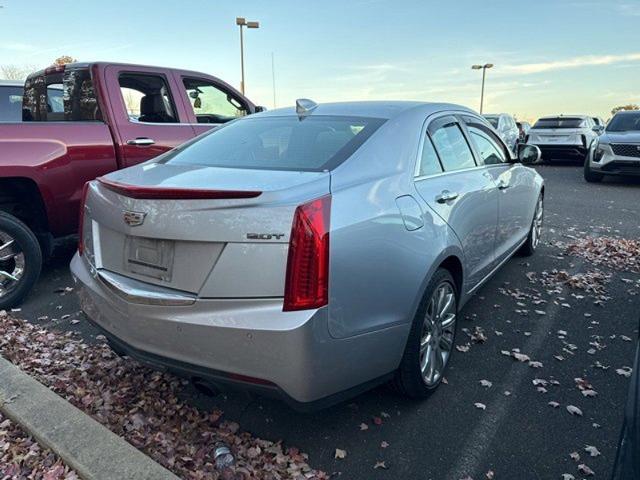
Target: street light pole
x=484 y=74
x=242 y=22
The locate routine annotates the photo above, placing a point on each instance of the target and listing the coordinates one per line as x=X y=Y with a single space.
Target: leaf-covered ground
x=21 y=457
x=142 y=406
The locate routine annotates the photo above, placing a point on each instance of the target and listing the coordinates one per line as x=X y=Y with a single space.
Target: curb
x=85 y=445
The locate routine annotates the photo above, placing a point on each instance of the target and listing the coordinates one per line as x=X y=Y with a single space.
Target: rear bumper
x=251 y=344
x=549 y=152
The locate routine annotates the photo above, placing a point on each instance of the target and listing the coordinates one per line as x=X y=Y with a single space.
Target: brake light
x=83 y=200
x=307 y=278
x=163 y=193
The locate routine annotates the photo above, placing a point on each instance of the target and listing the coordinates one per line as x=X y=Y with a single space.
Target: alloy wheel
x=12 y=264
x=436 y=341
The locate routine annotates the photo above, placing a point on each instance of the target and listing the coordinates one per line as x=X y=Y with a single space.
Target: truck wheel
x=20 y=261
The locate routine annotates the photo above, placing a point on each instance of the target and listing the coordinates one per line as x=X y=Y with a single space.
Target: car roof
x=627 y=112
x=385 y=109
x=11 y=83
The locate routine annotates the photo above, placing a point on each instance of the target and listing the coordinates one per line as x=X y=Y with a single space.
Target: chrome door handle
x=446 y=196
x=141 y=142
x=502 y=185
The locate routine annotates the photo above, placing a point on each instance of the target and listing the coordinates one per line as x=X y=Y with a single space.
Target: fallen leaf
x=486 y=383
x=340 y=454
x=573 y=410
x=380 y=465
x=480 y=406
x=582 y=468
x=591 y=450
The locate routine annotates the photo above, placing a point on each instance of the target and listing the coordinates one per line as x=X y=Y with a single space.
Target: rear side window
x=147 y=98
x=67 y=96
x=560 y=122
x=452 y=148
x=429 y=162
x=10 y=104
x=279 y=143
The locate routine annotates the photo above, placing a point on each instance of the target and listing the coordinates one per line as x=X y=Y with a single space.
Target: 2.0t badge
x=133 y=219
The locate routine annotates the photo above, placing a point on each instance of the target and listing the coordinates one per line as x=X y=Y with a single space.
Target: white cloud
x=569 y=63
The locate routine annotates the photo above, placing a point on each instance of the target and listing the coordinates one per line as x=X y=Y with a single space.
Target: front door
x=514 y=186
x=149 y=120
x=462 y=193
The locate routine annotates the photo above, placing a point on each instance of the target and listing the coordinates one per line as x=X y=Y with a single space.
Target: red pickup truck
x=80 y=121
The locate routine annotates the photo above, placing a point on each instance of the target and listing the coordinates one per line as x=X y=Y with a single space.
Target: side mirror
x=598 y=129
x=529 y=154
x=260 y=109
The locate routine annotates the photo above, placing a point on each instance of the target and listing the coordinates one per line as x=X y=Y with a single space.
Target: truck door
x=148 y=119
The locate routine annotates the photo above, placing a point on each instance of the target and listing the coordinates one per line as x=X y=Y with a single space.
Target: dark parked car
x=81 y=121
x=627 y=465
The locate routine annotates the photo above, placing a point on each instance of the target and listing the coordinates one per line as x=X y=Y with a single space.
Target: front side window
x=147 y=98
x=452 y=148
x=210 y=104
x=315 y=143
x=489 y=150
x=67 y=96
x=429 y=162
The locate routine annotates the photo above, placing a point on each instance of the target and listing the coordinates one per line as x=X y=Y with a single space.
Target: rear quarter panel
x=59 y=157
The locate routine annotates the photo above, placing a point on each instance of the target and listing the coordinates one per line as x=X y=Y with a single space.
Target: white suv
x=564 y=137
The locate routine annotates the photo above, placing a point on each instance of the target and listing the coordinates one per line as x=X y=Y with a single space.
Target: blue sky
x=551 y=56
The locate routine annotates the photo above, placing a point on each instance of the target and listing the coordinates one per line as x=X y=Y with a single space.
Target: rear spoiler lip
x=174 y=193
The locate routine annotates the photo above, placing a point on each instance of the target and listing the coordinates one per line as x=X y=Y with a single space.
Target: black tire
x=30 y=248
x=531 y=244
x=589 y=175
x=409 y=379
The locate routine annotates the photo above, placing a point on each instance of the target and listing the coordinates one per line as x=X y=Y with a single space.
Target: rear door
x=148 y=119
x=461 y=192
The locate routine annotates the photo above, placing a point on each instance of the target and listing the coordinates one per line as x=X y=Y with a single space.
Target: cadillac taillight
x=83 y=201
x=307 y=278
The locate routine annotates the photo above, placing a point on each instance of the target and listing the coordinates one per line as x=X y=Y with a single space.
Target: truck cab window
x=211 y=104
x=66 y=96
x=147 y=98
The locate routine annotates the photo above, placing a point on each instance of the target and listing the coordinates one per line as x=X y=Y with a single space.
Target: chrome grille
x=626 y=150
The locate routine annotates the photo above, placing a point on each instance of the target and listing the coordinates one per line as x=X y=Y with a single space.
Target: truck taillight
x=307 y=278
x=83 y=200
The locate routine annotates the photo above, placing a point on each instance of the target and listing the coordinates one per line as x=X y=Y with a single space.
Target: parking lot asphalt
x=517 y=434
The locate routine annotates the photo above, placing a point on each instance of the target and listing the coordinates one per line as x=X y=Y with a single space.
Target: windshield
x=624 y=122
x=493 y=121
x=10 y=104
x=560 y=122
x=279 y=143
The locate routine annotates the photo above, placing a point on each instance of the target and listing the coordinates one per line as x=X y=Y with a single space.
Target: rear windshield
x=625 y=122
x=10 y=103
x=278 y=143
x=493 y=121
x=560 y=123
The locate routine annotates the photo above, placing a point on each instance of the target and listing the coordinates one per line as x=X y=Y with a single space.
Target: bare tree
x=15 y=72
x=631 y=106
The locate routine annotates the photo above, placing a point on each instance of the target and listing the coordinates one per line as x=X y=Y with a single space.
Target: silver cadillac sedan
x=309 y=252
